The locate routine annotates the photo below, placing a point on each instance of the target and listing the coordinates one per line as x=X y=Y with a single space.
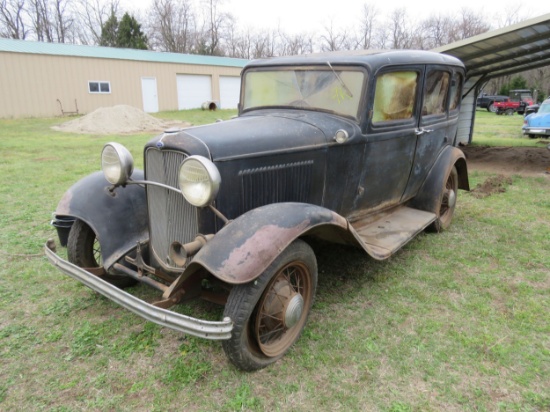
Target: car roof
x=369 y=58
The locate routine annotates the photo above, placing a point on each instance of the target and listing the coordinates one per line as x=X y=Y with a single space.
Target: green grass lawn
x=456 y=321
x=500 y=130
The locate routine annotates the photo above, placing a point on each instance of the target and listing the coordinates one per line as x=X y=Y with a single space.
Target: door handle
x=421 y=131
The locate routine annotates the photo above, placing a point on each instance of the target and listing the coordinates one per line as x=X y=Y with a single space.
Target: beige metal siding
x=32 y=83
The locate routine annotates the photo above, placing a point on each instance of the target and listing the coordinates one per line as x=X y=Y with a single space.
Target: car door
x=438 y=121
x=393 y=115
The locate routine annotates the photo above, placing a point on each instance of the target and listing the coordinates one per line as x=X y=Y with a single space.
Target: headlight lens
x=117 y=163
x=199 y=180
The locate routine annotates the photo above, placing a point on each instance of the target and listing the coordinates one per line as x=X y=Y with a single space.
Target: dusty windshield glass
x=336 y=90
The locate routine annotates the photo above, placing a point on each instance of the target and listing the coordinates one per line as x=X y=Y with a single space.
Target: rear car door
x=438 y=121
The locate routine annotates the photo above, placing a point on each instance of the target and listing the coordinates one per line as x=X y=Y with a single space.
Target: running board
x=383 y=237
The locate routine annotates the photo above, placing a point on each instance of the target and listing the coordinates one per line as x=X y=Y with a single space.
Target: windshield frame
x=335 y=69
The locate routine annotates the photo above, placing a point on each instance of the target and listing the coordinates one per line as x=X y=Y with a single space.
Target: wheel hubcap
x=451 y=198
x=293 y=310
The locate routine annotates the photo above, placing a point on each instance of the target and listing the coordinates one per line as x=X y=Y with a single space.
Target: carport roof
x=73 y=50
x=512 y=49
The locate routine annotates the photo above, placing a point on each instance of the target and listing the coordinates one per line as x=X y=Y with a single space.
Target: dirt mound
x=528 y=161
x=494 y=184
x=119 y=119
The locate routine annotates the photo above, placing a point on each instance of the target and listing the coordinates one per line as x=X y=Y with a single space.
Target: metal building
x=41 y=79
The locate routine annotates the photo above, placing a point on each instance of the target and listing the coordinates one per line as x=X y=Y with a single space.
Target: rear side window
x=435 y=93
x=394 y=96
x=456 y=90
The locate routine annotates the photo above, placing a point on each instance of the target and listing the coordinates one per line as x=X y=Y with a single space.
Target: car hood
x=250 y=135
x=538 y=119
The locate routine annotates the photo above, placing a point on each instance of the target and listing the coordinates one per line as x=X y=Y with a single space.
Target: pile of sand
x=114 y=120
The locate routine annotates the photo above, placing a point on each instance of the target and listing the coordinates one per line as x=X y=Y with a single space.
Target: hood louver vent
x=274 y=184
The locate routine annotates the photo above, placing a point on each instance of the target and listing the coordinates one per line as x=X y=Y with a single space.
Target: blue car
x=538 y=124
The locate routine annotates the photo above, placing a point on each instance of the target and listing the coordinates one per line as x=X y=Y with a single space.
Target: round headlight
x=199 y=180
x=117 y=163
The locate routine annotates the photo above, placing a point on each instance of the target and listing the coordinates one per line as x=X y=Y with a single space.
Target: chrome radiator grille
x=171 y=217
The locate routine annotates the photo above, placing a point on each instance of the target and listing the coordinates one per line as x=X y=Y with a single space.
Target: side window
x=435 y=93
x=394 y=96
x=99 y=87
x=456 y=91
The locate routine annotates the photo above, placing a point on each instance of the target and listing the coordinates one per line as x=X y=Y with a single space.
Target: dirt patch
x=120 y=119
x=527 y=161
x=494 y=184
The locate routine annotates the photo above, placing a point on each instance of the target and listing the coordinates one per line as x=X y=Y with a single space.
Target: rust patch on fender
x=257 y=252
x=64 y=205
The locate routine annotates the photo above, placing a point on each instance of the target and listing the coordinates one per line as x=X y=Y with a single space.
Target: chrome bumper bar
x=186 y=324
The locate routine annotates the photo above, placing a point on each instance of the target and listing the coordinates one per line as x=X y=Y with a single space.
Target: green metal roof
x=73 y=50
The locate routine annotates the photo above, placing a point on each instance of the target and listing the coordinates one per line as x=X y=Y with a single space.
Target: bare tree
x=214 y=29
x=92 y=15
x=63 y=21
x=469 y=24
x=511 y=14
x=367 y=27
x=332 y=40
x=12 y=19
x=172 y=26
x=400 y=30
x=290 y=45
x=436 y=30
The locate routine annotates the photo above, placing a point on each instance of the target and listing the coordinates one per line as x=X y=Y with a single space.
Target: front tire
x=491 y=108
x=84 y=250
x=269 y=313
x=446 y=203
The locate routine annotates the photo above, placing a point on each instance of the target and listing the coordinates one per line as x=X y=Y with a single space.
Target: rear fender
x=118 y=218
x=244 y=248
x=427 y=197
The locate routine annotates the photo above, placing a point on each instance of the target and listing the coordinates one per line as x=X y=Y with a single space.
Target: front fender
x=119 y=219
x=244 y=248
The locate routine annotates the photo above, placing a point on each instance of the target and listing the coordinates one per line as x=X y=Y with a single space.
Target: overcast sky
x=296 y=16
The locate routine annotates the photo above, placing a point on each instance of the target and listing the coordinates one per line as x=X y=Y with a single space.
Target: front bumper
x=186 y=324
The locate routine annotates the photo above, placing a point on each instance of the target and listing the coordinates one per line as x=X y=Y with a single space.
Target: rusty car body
x=354 y=148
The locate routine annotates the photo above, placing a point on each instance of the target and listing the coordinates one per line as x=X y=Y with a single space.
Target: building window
x=99 y=87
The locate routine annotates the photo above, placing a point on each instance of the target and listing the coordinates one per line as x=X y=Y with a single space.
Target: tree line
x=206 y=27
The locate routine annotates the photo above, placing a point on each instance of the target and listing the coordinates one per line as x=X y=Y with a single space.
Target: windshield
x=336 y=90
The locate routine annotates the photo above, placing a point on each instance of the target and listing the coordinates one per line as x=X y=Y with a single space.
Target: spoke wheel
x=269 y=314
x=447 y=202
x=84 y=250
x=279 y=312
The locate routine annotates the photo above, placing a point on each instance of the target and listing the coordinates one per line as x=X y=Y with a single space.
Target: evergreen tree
x=125 y=33
x=130 y=35
x=109 y=32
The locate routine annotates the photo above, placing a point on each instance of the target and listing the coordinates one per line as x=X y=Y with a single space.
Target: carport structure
x=497 y=53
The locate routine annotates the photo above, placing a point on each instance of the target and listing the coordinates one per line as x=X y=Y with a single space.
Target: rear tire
x=446 y=203
x=84 y=250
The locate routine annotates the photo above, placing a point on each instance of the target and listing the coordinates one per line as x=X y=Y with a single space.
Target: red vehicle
x=517 y=102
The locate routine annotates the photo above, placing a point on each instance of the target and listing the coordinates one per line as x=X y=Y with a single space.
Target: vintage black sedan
x=354 y=148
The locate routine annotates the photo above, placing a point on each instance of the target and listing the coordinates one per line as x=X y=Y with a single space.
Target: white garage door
x=193 y=90
x=230 y=87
